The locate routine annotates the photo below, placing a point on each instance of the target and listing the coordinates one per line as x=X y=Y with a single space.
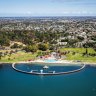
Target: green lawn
x=23 y=56
x=19 y=56
x=78 y=54
x=80 y=50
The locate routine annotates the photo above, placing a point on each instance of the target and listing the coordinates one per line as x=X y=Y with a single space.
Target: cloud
x=80 y=2
x=65 y=0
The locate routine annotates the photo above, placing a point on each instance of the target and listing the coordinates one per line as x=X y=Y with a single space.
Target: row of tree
x=27 y=37
x=34 y=48
x=31 y=38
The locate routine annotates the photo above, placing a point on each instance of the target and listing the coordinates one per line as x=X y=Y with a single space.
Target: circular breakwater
x=42 y=70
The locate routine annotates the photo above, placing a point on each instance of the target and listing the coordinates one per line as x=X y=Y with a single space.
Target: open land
x=24 y=39
x=74 y=55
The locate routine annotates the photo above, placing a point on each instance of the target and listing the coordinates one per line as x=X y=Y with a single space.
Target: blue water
x=13 y=83
x=50 y=60
x=30 y=67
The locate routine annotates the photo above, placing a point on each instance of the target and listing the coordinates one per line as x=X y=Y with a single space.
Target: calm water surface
x=13 y=83
x=38 y=67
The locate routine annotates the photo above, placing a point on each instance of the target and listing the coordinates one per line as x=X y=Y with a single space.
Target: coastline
x=64 y=62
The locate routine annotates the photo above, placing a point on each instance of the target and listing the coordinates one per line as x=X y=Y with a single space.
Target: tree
x=43 y=47
x=30 y=48
x=86 y=46
x=0 y=55
x=51 y=47
x=4 y=41
x=15 y=45
x=80 y=38
x=72 y=42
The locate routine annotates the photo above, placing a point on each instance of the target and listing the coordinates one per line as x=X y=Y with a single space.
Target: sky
x=47 y=8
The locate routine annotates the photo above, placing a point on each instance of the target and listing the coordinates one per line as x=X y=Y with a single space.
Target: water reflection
x=1 y=66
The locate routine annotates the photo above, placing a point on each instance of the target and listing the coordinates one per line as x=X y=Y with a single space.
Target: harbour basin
x=48 y=69
x=82 y=83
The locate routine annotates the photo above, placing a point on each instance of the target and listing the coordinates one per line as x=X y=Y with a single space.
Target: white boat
x=45 y=67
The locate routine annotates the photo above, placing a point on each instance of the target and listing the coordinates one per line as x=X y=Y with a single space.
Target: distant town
x=65 y=31
x=66 y=35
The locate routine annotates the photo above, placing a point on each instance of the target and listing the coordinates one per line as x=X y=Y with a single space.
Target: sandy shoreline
x=62 y=62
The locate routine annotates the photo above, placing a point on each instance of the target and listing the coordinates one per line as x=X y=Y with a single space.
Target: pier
x=36 y=72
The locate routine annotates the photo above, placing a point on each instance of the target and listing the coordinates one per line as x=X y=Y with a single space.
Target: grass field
x=79 y=54
x=19 y=56
x=23 y=56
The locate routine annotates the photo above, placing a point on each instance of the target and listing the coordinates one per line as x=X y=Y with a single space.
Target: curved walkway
x=54 y=73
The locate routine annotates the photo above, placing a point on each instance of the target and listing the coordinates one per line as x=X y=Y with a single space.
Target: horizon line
x=54 y=16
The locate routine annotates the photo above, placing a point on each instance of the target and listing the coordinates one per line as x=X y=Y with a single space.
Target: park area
x=70 y=54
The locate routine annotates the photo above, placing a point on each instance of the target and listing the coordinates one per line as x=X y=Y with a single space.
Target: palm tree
x=0 y=55
x=86 y=46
